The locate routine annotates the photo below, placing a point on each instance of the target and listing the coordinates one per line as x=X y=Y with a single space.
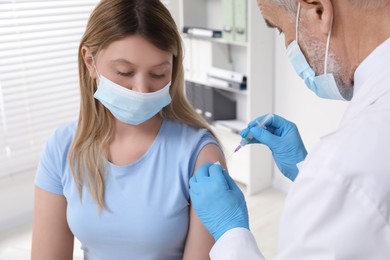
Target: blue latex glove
x=283 y=138
x=217 y=200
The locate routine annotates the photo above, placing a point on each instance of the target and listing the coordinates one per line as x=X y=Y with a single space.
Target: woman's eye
x=157 y=76
x=125 y=74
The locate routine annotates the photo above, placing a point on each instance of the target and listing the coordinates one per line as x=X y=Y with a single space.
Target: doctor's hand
x=283 y=138
x=217 y=200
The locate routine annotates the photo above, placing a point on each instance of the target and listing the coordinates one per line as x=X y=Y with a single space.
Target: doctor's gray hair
x=291 y=6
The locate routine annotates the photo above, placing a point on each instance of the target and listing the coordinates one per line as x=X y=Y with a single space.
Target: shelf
x=216 y=40
x=241 y=92
x=205 y=82
x=253 y=58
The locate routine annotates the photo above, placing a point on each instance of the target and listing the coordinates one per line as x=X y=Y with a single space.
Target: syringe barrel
x=265 y=120
x=246 y=140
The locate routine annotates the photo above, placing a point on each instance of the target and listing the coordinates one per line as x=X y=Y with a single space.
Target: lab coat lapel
x=370 y=91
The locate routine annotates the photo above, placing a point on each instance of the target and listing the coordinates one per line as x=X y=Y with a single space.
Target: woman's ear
x=320 y=12
x=89 y=62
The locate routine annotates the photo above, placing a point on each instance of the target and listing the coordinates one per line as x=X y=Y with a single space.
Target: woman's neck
x=131 y=142
x=123 y=130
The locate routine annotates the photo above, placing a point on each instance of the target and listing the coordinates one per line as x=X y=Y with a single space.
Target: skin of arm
x=51 y=238
x=199 y=241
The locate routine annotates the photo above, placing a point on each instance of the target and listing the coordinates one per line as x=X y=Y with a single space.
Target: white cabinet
x=254 y=58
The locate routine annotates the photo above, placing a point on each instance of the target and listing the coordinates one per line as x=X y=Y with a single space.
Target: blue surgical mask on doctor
x=323 y=85
x=129 y=106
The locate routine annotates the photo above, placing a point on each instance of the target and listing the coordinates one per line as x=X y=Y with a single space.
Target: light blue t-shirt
x=148 y=200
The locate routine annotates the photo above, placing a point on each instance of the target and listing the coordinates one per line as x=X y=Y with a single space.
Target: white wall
x=314 y=117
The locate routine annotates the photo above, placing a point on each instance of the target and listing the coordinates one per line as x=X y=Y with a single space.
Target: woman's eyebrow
x=164 y=63
x=122 y=61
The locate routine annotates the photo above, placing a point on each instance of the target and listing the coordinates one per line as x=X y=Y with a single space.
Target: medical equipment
x=129 y=106
x=323 y=85
x=247 y=139
x=210 y=177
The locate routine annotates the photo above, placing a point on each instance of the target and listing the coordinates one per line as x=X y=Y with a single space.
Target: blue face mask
x=324 y=86
x=129 y=106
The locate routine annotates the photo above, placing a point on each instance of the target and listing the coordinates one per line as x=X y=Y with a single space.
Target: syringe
x=247 y=139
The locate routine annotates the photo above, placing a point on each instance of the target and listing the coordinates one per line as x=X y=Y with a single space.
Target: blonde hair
x=111 y=21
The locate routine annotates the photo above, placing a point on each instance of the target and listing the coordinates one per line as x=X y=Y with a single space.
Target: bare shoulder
x=210 y=153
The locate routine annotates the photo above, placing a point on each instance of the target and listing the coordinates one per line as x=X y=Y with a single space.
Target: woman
x=118 y=179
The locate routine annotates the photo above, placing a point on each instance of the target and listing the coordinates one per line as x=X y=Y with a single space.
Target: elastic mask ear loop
x=94 y=65
x=327 y=48
x=297 y=22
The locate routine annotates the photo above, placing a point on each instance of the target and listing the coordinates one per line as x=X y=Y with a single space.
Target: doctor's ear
x=319 y=11
x=88 y=61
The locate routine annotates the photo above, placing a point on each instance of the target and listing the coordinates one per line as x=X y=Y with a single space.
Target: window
x=39 y=88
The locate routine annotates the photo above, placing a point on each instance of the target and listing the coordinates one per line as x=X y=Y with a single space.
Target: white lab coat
x=339 y=205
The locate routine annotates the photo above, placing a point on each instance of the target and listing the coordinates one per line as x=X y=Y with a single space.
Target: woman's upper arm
x=199 y=240
x=51 y=238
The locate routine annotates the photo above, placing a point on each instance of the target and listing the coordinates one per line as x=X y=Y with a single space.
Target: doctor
x=339 y=205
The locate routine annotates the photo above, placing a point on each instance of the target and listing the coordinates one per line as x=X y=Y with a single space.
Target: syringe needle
x=227 y=158
x=248 y=138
